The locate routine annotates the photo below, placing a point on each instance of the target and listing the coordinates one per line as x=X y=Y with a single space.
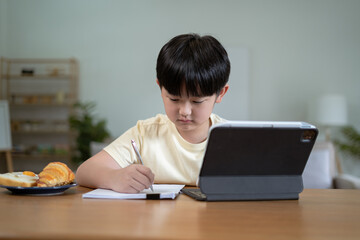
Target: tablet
x=252 y=160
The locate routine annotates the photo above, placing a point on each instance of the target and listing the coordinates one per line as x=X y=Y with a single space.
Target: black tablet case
x=256 y=163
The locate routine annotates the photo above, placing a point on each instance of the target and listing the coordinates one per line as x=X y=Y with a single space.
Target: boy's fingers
x=133 y=178
x=144 y=178
x=146 y=172
x=141 y=179
x=138 y=186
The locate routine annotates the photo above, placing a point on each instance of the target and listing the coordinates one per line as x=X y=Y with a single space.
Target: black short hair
x=201 y=63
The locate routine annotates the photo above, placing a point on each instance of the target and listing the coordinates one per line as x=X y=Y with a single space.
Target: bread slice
x=17 y=179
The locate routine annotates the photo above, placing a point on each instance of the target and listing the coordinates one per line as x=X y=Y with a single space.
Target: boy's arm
x=102 y=171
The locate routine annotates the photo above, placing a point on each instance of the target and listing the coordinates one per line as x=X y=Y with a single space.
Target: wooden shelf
x=41 y=95
x=51 y=157
x=41 y=132
x=39 y=77
x=68 y=105
x=42 y=60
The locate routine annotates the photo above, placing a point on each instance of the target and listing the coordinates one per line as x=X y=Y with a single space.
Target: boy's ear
x=222 y=93
x=157 y=82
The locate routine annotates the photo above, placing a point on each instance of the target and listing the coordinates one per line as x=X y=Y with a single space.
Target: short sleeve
x=121 y=149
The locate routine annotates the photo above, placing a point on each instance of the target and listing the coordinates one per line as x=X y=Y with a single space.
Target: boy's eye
x=198 y=100
x=174 y=99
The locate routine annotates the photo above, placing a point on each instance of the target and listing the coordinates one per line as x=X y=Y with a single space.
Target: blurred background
x=286 y=54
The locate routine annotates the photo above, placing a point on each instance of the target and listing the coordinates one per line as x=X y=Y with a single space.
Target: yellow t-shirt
x=171 y=158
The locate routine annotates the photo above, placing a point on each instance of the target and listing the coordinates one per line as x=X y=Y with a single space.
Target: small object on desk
x=161 y=191
x=194 y=193
x=139 y=157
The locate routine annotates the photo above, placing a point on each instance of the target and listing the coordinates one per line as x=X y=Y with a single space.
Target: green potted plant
x=88 y=128
x=351 y=142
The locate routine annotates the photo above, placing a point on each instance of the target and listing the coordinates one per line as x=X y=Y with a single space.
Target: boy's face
x=190 y=114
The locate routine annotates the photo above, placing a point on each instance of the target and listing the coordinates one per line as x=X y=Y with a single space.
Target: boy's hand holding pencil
x=132 y=179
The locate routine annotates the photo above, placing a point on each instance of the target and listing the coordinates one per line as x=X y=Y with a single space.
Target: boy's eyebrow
x=172 y=95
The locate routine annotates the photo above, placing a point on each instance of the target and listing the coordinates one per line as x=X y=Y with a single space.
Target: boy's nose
x=185 y=109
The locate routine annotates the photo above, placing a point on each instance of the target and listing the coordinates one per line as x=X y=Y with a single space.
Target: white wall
x=3 y=27
x=297 y=49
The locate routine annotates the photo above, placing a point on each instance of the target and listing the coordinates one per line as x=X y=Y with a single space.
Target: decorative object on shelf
x=55 y=71
x=60 y=97
x=27 y=71
x=88 y=129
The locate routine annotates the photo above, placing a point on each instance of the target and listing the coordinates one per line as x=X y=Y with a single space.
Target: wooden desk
x=319 y=214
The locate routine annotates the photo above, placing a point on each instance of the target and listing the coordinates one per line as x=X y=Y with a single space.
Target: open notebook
x=161 y=191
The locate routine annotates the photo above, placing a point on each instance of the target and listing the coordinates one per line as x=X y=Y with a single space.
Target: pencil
x=139 y=157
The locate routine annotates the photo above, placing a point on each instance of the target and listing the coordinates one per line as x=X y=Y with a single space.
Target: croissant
x=55 y=174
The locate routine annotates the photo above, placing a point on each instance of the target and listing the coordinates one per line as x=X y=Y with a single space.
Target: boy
x=192 y=73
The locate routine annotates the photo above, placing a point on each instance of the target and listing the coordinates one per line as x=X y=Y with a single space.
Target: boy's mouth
x=184 y=120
